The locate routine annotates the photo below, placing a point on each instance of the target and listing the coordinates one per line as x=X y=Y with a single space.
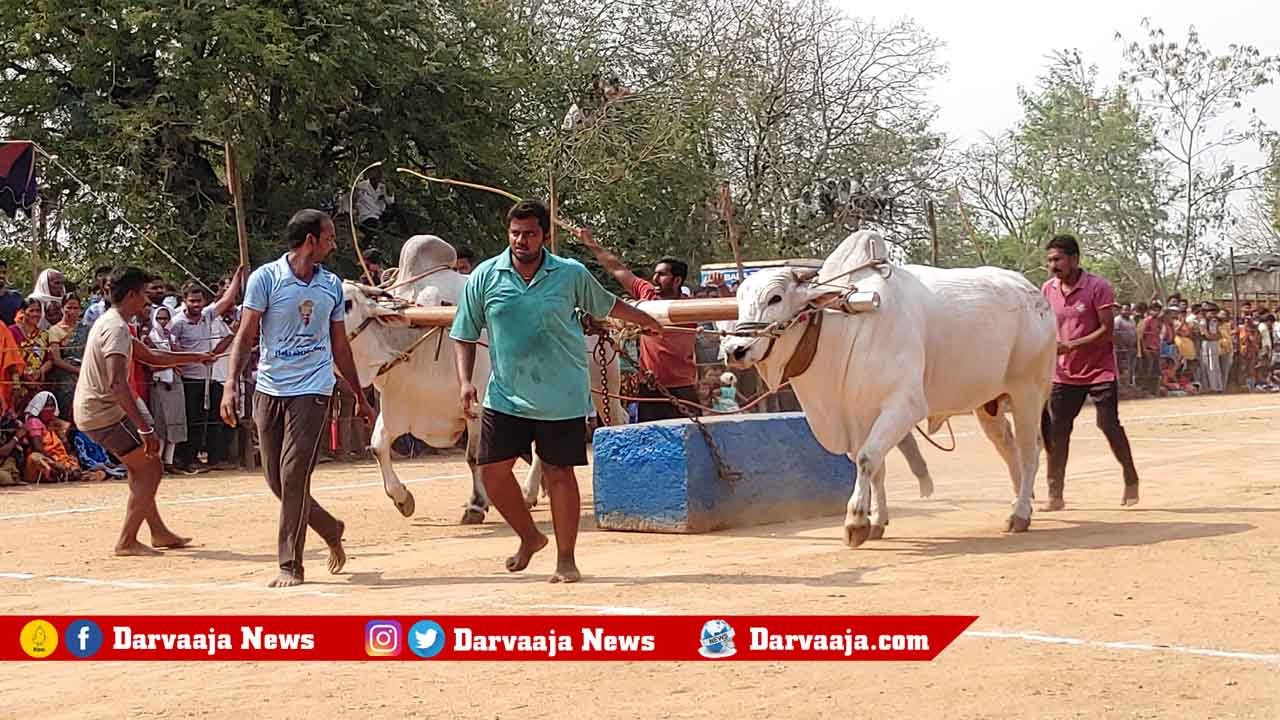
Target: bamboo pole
x=551 y=199
x=667 y=312
x=233 y=184
x=1235 y=288
x=726 y=211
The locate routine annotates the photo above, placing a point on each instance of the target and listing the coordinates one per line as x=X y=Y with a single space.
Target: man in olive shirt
x=107 y=410
x=538 y=390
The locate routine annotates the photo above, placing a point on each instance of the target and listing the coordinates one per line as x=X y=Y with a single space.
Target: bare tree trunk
x=1187 y=225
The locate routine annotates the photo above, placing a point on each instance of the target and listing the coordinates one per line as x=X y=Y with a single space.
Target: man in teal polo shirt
x=538 y=392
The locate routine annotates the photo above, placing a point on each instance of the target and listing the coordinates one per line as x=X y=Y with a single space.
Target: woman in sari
x=49 y=460
x=33 y=344
x=66 y=347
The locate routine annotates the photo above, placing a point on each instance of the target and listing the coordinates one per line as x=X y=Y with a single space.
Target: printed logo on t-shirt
x=306 y=308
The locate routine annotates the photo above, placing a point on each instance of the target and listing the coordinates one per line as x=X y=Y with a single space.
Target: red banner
x=479 y=637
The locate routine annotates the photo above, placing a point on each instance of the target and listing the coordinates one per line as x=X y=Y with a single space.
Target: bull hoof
x=1017 y=524
x=406 y=506
x=877 y=532
x=472 y=516
x=531 y=504
x=855 y=536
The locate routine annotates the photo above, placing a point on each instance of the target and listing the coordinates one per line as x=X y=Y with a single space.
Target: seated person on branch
x=668 y=358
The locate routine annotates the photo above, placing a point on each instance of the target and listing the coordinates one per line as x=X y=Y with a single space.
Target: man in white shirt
x=200 y=328
x=374 y=207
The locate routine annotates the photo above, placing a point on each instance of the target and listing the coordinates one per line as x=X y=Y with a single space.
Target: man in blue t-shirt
x=294 y=308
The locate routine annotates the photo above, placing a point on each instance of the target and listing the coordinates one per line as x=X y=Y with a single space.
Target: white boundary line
x=153 y=585
x=1199 y=413
x=1036 y=637
x=212 y=499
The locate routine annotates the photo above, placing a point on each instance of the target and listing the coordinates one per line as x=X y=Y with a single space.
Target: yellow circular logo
x=39 y=638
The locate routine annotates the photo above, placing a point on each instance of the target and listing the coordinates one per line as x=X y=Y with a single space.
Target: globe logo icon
x=717 y=640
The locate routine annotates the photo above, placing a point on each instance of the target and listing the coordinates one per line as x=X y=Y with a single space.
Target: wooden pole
x=1235 y=288
x=37 y=239
x=726 y=211
x=551 y=189
x=667 y=312
x=244 y=434
x=932 y=217
x=233 y=185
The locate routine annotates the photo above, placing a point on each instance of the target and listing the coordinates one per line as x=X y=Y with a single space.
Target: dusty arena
x=1166 y=610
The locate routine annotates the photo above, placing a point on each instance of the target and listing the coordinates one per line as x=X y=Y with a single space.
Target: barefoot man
x=294 y=307
x=539 y=391
x=111 y=415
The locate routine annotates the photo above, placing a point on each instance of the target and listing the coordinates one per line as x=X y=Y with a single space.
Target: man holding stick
x=107 y=410
x=539 y=390
x=295 y=307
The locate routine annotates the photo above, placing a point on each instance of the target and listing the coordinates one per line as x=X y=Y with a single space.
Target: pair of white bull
x=942 y=343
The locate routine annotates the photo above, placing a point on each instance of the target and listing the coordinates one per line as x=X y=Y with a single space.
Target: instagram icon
x=382 y=638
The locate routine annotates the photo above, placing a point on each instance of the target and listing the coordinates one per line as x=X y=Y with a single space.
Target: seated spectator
x=93 y=456
x=13 y=450
x=48 y=460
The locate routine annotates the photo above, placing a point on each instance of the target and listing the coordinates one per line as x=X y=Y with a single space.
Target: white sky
x=991 y=48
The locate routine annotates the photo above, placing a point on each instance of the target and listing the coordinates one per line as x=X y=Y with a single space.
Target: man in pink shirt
x=1084 y=305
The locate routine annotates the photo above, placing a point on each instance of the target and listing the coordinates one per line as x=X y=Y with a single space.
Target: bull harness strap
x=802 y=357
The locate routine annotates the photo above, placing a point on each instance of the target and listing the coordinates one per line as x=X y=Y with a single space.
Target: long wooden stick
x=551 y=200
x=726 y=211
x=1235 y=289
x=667 y=312
x=477 y=186
x=233 y=184
x=351 y=215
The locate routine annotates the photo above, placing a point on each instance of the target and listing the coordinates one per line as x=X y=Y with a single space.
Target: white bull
x=942 y=343
x=420 y=392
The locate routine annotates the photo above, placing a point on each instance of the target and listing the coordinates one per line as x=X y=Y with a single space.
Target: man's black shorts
x=558 y=442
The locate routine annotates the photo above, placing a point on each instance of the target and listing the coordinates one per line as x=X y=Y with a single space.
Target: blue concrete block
x=660 y=476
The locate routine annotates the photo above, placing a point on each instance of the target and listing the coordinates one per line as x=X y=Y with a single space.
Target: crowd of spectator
x=41 y=348
x=1182 y=348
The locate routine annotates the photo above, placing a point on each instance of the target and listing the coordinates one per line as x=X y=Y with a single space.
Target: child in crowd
x=726 y=399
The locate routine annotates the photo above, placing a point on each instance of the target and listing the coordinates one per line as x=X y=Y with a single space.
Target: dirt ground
x=1190 y=577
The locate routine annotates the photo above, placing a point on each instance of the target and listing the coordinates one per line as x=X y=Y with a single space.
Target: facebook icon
x=83 y=638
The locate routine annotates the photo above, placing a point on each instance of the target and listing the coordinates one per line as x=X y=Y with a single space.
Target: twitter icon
x=426 y=638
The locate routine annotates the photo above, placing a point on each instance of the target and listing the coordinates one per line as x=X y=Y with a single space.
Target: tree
x=1259 y=229
x=138 y=96
x=1081 y=160
x=1196 y=94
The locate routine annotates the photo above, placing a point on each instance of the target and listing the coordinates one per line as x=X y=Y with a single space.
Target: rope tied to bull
x=723 y=471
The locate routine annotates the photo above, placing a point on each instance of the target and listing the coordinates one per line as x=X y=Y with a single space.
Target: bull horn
x=804 y=276
x=371 y=291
